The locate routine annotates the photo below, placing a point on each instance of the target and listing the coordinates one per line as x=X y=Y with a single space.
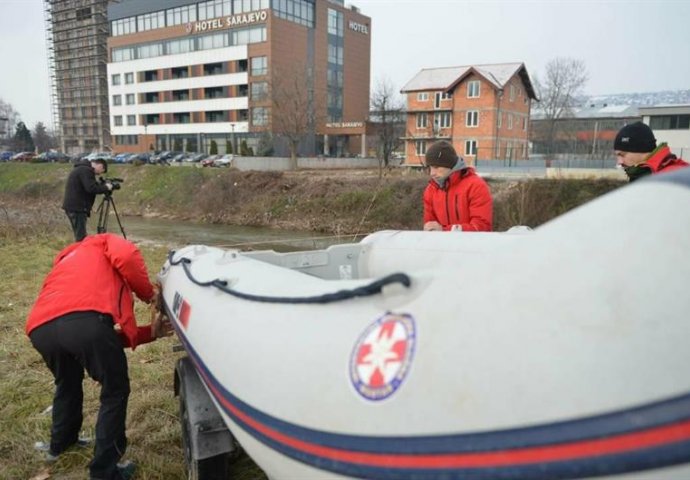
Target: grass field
x=26 y=385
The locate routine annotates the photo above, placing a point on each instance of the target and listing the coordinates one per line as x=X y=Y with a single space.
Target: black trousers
x=78 y=222
x=70 y=344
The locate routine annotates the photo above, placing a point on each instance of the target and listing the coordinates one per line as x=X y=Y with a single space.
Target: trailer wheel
x=212 y=468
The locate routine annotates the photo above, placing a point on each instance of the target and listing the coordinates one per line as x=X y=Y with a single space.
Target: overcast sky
x=627 y=45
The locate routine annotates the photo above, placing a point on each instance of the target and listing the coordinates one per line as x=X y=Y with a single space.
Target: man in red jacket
x=456 y=197
x=82 y=320
x=636 y=151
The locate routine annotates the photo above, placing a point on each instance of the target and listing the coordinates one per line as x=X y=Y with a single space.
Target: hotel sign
x=359 y=27
x=227 y=22
x=345 y=125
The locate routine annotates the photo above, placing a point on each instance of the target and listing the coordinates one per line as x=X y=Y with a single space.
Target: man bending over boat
x=82 y=320
x=456 y=198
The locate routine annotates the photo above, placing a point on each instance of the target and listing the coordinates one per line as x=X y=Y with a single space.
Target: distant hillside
x=668 y=97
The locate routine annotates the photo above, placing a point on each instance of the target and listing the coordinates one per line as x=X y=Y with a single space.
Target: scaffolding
x=76 y=37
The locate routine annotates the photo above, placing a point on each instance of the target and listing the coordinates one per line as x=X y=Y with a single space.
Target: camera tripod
x=103 y=210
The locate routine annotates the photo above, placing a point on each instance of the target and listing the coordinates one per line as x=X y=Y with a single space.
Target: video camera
x=114 y=181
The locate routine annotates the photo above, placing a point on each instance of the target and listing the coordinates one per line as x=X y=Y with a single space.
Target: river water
x=176 y=233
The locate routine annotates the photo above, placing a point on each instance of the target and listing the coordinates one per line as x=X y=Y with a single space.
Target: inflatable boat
x=563 y=352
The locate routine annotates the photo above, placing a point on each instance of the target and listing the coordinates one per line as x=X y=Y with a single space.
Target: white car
x=224 y=161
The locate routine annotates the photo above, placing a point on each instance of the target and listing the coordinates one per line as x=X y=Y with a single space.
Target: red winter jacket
x=663 y=160
x=97 y=274
x=465 y=201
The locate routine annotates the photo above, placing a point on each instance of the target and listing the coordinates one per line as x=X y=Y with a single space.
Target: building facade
x=483 y=110
x=77 y=31
x=670 y=124
x=587 y=131
x=250 y=76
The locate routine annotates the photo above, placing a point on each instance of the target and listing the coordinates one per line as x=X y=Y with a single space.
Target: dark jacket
x=464 y=200
x=81 y=188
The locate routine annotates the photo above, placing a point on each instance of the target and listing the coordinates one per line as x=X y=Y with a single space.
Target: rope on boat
x=372 y=288
x=279 y=241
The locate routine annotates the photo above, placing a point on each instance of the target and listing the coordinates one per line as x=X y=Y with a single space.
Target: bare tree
x=293 y=104
x=558 y=91
x=9 y=116
x=388 y=110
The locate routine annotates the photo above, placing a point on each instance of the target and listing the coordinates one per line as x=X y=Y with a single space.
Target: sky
x=627 y=45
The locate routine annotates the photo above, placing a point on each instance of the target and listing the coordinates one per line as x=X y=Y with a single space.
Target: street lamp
x=234 y=143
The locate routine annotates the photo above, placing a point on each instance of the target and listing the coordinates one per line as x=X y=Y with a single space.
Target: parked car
x=180 y=157
x=208 y=161
x=197 y=157
x=6 y=156
x=99 y=156
x=121 y=157
x=224 y=161
x=23 y=157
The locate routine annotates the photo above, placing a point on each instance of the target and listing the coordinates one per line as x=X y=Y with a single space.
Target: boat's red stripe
x=576 y=450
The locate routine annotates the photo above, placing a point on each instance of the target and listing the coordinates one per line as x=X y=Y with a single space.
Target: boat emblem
x=181 y=309
x=382 y=356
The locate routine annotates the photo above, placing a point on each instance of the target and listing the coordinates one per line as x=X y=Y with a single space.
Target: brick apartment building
x=183 y=74
x=483 y=110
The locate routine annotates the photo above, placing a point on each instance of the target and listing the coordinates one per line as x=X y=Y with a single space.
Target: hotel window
x=241 y=6
x=151 y=76
x=179 y=95
x=214 y=9
x=213 y=69
x=445 y=120
x=214 y=92
x=179 y=72
x=184 y=117
x=152 y=119
x=471 y=148
x=151 y=97
x=180 y=46
x=216 y=40
x=260 y=116
x=259 y=66
x=298 y=11
x=422 y=96
x=117 y=120
x=259 y=90
x=335 y=54
x=131 y=119
x=150 y=21
x=129 y=78
x=124 y=26
x=117 y=100
x=150 y=50
x=116 y=79
x=473 y=89
x=510 y=121
x=421 y=120
x=129 y=99
x=420 y=147
x=217 y=116
x=472 y=119
x=181 y=15
x=335 y=22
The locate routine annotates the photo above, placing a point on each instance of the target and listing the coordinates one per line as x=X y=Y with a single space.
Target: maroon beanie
x=441 y=154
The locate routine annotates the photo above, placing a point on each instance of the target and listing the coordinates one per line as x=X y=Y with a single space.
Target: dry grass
x=26 y=385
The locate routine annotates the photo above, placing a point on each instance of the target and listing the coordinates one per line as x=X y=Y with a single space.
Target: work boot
x=125 y=471
x=49 y=456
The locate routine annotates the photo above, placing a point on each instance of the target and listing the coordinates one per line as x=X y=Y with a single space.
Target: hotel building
x=183 y=74
x=482 y=109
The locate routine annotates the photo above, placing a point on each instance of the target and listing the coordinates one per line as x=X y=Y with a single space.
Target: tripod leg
x=103 y=211
x=117 y=217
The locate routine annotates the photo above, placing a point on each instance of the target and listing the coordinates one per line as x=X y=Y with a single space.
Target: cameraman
x=80 y=193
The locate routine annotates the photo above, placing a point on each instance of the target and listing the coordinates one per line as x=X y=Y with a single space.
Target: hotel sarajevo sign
x=226 y=22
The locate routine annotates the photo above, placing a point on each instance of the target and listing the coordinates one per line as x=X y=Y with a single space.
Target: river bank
x=336 y=202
